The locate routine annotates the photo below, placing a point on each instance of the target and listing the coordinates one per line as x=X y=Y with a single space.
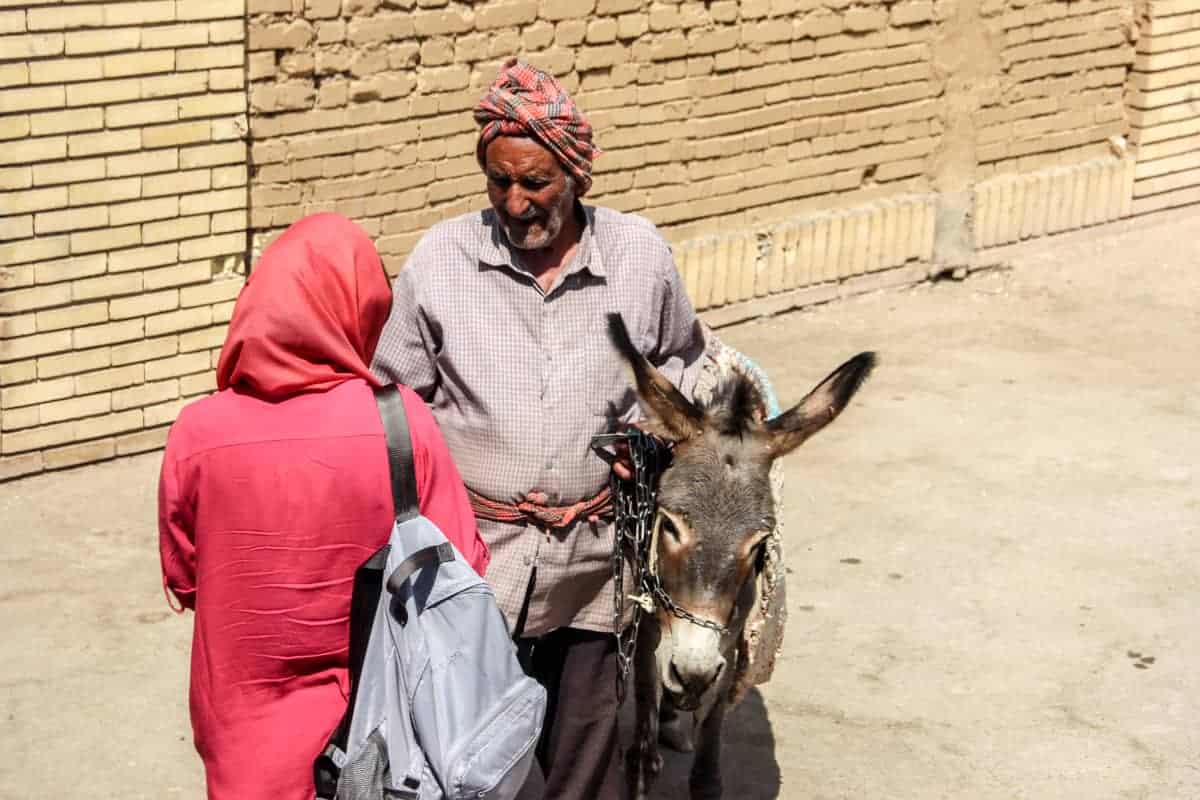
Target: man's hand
x=622 y=465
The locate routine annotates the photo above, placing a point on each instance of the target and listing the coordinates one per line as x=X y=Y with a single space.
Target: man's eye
x=500 y=181
x=534 y=185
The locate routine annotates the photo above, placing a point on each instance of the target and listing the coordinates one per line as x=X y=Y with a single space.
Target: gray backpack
x=439 y=706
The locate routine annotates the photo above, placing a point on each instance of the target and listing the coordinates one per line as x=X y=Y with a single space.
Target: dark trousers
x=578 y=752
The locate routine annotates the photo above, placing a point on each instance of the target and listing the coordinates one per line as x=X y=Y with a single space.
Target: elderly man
x=498 y=322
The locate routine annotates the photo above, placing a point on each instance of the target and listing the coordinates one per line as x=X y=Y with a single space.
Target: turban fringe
x=524 y=101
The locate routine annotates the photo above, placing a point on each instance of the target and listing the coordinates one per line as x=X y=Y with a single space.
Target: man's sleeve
x=680 y=349
x=407 y=348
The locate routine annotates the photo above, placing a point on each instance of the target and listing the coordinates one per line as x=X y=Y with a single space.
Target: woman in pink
x=273 y=491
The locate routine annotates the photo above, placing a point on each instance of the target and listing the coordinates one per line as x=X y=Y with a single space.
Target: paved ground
x=995 y=558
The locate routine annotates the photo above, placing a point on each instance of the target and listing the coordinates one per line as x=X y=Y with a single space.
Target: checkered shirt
x=520 y=380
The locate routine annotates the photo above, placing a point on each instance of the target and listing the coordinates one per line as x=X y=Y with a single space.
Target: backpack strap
x=425 y=557
x=369 y=581
x=400 y=451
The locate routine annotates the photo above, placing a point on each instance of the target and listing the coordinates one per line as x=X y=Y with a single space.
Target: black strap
x=369 y=580
x=400 y=453
x=427 y=557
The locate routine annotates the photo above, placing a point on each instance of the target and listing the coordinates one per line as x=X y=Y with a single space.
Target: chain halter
x=635 y=522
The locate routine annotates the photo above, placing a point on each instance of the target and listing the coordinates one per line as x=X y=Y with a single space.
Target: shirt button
x=528 y=560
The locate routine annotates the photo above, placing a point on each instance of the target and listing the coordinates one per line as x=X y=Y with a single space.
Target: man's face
x=530 y=191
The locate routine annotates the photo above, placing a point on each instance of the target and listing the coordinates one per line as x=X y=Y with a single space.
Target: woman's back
x=268 y=503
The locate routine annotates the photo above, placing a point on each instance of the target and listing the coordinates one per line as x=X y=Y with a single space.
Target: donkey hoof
x=705 y=790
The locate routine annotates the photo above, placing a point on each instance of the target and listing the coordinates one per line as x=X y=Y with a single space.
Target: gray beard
x=553 y=227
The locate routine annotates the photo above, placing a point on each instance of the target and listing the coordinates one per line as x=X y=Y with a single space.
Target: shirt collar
x=494 y=249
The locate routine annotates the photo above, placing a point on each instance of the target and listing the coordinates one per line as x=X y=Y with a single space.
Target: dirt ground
x=994 y=556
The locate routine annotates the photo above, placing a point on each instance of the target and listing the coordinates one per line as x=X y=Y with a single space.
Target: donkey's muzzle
x=692 y=681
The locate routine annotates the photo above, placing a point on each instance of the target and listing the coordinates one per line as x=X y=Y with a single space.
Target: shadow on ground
x=748 y=762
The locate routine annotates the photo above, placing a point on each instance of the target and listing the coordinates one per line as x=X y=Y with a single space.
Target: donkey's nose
x=695 y=679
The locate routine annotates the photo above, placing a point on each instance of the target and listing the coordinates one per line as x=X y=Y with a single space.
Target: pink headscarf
x=310 y=314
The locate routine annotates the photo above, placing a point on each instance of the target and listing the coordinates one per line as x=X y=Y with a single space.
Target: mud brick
x=109 y=333
x=143 y=304
x=12 y=22
x=201 y=383
x=103 y=41
x=88 y=144
x=212 y=105
x=37 y=438
x=106 y=239
x=37 y=345
x=173 y=85
x=211 y=246
x=14 y=74
x=65 y=70
x=17 y=466
x=43 y=391
x=141 y=63
x=163 y=412
x=32 y=45
x=169 y=136
x=175 y=321
x=14 y=301
x=71 y=269
x=211 y=9
x=294 y=35
x=107 y=424
x=106 y=380
x=32 y=99
x=137 y=13
x=505 y=14
x=184 y=35
x=618 y=6
x=75 y=408
x=144 y=350
x=36 y=200
x=142 y=441
x=173 y=367
x=70 y=220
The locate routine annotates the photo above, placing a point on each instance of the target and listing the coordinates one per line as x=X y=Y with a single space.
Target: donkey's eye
x=668 y=527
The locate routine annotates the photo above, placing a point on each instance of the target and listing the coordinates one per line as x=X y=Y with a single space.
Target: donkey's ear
x=789 y=430
x=670 y=415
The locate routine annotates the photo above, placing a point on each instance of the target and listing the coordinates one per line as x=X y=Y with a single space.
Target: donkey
x=715 y=516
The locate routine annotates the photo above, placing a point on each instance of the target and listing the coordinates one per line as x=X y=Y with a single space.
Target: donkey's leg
x=643 y=762
x=675 y=728
x=705 y=780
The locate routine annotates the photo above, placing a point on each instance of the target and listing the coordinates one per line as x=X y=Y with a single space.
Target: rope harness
x=636 y=523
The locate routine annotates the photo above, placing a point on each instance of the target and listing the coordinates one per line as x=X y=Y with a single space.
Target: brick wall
x=708 y=113
x=1163 y=108
x=791 y=150
x=122 y=220
x=742 y=118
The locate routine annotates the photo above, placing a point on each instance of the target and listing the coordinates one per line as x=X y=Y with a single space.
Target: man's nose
x=516 y=204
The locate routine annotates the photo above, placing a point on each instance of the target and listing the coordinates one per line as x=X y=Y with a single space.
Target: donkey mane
x=735 y=406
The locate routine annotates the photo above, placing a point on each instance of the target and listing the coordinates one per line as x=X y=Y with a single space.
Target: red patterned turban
x=524 y=101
